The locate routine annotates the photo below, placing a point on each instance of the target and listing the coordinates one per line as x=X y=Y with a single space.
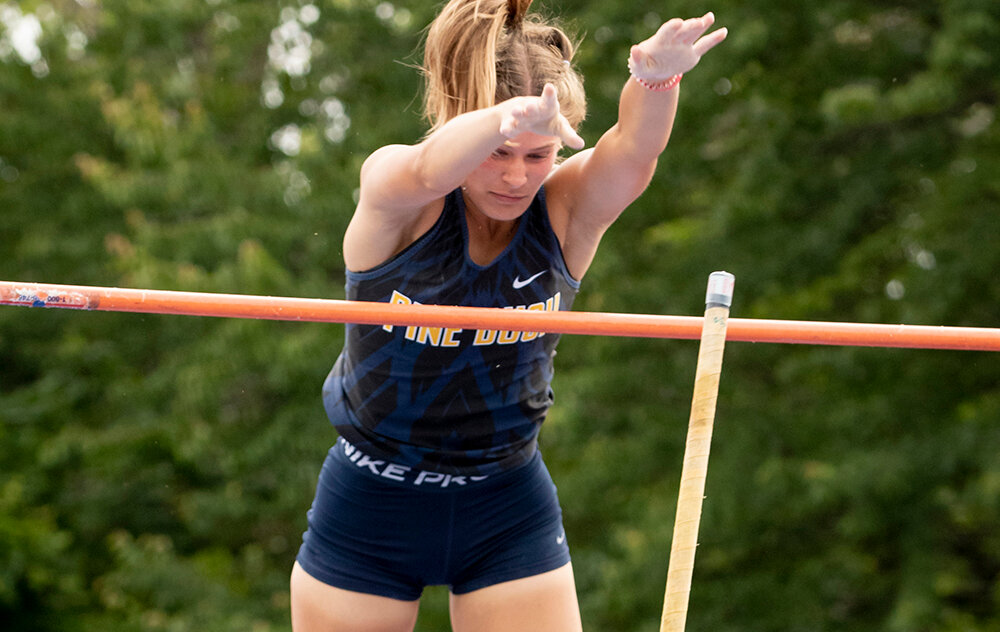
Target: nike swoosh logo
x=518 y=283
x=561 y=538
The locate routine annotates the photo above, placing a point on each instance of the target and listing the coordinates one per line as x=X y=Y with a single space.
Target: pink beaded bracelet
x=660 y=86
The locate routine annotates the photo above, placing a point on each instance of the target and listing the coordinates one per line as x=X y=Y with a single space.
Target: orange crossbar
x=566 y=322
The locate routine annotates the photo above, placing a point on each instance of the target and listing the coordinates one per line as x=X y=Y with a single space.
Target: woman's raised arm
x=596 y=185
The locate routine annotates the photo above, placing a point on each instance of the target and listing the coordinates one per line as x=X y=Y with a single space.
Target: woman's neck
x=488 y=237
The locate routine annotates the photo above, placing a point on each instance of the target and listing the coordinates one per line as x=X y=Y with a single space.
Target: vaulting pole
x=699 y=440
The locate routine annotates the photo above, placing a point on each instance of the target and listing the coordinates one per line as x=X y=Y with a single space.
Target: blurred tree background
x=842 y=159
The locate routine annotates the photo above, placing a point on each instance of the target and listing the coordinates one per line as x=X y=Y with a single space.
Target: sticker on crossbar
x=38 y=297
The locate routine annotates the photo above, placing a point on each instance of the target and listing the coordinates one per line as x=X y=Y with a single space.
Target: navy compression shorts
x=386 y=530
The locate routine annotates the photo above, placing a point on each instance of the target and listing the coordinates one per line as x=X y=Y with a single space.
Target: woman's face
x=504 y=185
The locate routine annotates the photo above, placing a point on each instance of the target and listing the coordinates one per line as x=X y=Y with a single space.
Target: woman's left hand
x=676 y=48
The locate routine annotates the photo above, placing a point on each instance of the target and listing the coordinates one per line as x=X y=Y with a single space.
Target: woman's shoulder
x=374 y=237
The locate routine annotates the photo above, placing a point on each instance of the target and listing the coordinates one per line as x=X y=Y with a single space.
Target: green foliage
x=841 y=159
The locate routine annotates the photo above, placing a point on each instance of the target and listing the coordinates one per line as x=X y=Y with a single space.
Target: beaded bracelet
x=660 y=86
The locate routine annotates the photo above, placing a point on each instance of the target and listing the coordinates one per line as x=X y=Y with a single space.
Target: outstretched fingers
x=565 y=131
x=709 y=41
x=509 y=124
x=669 y=29
x=520 y=118
x=569 y=137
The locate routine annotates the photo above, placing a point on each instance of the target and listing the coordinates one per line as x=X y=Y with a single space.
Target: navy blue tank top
x=463 y=402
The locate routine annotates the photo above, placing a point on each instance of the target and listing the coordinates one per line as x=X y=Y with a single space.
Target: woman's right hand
x=539 y=115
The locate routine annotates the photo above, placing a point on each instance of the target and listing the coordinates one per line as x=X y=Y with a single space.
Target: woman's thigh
x=541 y=603
x=320 y=607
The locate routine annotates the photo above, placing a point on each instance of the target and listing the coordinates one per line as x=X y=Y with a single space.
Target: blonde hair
x=482 y=52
